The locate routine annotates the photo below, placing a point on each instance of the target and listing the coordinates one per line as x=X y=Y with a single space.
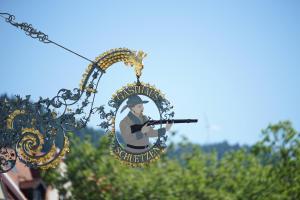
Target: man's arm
x=126 y=131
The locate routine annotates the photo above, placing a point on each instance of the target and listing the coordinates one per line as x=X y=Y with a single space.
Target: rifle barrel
x=153 y=122
x=138 y=127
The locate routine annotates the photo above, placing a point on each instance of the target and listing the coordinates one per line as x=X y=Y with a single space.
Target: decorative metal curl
x=28 y=28
x=7 y=159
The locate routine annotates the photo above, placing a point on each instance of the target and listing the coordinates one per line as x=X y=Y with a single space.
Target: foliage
x=271 y=170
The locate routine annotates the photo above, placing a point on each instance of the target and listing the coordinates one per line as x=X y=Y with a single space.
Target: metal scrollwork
x=35 y=132
x=27 y=28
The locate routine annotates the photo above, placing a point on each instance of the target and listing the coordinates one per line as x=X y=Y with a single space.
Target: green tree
x=269 y=171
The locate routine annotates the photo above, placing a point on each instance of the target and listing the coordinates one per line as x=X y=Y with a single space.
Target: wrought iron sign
x=30 y=131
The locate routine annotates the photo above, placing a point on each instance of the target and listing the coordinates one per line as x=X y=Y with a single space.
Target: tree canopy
x=268 y=170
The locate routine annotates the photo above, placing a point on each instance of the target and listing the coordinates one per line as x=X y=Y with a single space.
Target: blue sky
x=234 y=65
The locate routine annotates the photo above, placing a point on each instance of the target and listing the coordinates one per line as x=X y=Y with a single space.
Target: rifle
x=138 y=127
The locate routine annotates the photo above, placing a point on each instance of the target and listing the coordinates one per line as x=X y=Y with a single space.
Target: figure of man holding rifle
x=137 y=141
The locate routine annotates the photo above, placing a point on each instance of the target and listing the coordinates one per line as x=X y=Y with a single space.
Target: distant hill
x=94 y=134
x=222 y=148
x=219 y=148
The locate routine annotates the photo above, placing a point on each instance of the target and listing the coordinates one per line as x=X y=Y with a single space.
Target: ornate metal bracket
x=30 y=131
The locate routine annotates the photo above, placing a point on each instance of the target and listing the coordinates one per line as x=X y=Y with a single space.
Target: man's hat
x=132 y=101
